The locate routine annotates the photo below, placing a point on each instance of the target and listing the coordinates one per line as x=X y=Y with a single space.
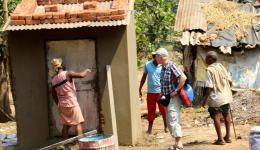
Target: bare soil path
x=195 y=138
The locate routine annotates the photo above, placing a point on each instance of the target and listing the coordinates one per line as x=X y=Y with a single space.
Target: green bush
x=154 y=23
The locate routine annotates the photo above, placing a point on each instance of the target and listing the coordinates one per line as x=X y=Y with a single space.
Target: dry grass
x=228 y=15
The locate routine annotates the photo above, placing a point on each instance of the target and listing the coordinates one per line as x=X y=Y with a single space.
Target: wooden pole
x=233 y=123
x=69 y=140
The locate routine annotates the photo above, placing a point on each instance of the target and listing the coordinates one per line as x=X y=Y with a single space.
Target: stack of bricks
x=43 y=2
x=53 y=13
x=50 y=2
x=90 y=5
x=52 y=8
x=23 y=12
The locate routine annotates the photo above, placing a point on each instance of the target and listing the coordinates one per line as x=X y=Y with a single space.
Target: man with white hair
x=172 y=80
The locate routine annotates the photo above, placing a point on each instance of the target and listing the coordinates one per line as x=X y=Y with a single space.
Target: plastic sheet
x=254 y=138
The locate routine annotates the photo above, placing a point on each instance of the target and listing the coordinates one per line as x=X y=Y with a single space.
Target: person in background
x=64 y=94
x=172 y=80
x=218 y=95
x=153 y=70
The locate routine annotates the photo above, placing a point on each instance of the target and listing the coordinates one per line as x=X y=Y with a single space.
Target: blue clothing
x=154 y=73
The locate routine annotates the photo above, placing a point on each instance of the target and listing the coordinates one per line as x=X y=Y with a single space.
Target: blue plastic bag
x=189 y=91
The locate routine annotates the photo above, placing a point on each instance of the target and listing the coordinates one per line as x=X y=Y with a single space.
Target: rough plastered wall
x=29 y=72
x=124 y=78
x=243 y=67
x=132 y=67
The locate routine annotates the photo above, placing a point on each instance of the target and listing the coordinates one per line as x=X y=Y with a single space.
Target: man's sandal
x=175 y=147
x=219 y=142
x=227 y=140
x=171 y=148
x=178 y=147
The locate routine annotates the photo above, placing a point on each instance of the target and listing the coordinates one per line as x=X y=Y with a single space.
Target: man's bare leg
x=217 y=123
x=150 y=127
x=165 y=126
x=227 y=119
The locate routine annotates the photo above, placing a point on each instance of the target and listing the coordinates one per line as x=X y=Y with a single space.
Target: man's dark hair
x=213 y=55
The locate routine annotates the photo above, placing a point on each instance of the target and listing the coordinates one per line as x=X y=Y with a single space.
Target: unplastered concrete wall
x=115 y=46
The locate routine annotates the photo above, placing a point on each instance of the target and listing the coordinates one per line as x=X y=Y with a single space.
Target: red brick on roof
x=90 y=5
x=30 y=12
x=52 y=8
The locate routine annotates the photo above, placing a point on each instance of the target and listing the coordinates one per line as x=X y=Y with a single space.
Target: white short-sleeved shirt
x=218 y=98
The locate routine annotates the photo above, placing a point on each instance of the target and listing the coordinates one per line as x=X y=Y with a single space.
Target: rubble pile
x=246 y=107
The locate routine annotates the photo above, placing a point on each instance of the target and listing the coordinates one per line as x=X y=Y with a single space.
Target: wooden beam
x=69 y=140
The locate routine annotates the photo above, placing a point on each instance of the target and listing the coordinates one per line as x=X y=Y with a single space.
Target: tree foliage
x=5 y=110
x=154 y=24
x=11 y=6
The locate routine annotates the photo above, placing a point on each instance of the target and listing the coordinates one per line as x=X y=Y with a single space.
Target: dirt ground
x=196 y=135
x=198 y=129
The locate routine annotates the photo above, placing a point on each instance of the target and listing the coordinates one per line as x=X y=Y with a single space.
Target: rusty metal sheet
x=246 y=71
x=190 y=16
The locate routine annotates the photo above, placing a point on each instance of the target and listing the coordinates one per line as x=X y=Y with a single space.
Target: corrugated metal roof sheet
x=67 y=25
x=103 y=5
x=76 y=7
x=190 y=16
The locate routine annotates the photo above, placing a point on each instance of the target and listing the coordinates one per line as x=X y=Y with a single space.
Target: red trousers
x=151 y=106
